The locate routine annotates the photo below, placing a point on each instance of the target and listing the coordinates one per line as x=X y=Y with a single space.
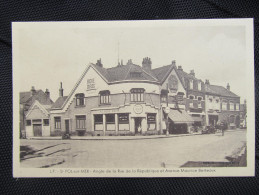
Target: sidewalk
x=139 y=137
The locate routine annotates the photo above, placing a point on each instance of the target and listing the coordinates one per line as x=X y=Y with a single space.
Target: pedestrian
x=223 y=129
x=139 y=129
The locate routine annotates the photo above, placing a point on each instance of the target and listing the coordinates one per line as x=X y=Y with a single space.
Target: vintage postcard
x=163 y=98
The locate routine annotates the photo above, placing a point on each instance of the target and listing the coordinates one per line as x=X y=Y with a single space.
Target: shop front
x=179 y=121
x=132 y=119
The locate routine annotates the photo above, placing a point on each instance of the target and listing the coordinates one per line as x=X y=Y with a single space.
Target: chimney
x=33 y=91
x=47 y=92
x=228 y=87
x=61 y=90
x=180 y=68
x=122 y=62
x=146 y=64
x=99 y=63
x=129 y=62
x=173 y=62
x=207 y=82
x=192 y=73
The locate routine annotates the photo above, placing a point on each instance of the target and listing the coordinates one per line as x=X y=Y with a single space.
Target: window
x=28 y=122
x=191 y=97
x=105 y=97
x=191 y=84
x=199 y=98
x=123 y=118
x=123 y=122
x=46 y=122
x=224 y=105
x=98 y=118
x=110 y=118
x=57 y=122
x=231 y=106
x=80 y=121
x=199 y=104
x=199 y=85
x=237 y=106
x=135 y=74
x=164 y=94
x=98 y=122
x=151 y=121
x=80 y=99
x=137 y=95
x=191 y=104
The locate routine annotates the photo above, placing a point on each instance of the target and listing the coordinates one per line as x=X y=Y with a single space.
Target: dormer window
x=135 y=74
x=137 y=95
x=105 y=97
x=191 y=84
x=80 y=99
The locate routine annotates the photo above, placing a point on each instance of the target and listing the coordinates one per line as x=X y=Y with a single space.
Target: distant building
x=28 y=98
x=222 y=105
x=243 y=115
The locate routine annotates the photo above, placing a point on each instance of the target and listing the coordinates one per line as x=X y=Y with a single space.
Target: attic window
x=80 y=99
x=135 y=74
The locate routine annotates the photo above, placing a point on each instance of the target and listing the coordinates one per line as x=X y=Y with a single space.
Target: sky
x=50 y=54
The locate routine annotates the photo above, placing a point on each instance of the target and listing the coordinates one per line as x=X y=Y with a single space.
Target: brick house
x=222 y=105
x=123 y=100
x=28 y=98
x=195 y=96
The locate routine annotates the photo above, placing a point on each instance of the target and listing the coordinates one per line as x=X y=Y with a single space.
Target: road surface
x=145 y=153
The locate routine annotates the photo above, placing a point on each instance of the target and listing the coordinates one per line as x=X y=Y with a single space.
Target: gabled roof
x=39 y=95
x=43 y=108
x=219 y=90
x=59 y=102
x=161 y=72
x=122 y=72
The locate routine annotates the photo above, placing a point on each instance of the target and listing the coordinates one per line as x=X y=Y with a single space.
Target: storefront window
x=80 y=121
x=110 y=122
x=137 y=95
x=151 y=121
x=98 y=122
x=105 y=97
x=80 y=99
x=123 y=122
x=57 y=121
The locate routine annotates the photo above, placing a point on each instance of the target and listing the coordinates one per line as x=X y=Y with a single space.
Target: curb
x=118 y=138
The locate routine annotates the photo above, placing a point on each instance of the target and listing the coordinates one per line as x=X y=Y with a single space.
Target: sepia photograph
x=163 y=98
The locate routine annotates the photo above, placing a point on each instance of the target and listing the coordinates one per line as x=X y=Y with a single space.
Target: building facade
x=124 y=100
x=222 y=105
x=134 y=100
x=27 y=99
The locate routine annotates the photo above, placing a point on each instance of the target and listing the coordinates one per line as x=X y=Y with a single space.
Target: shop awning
x=180 y=116
x=197 y=119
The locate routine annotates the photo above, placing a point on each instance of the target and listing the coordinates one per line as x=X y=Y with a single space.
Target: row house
x=195 y=96
x=222 y=105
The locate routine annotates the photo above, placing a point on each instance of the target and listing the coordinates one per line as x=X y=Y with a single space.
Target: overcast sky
x=51 y=54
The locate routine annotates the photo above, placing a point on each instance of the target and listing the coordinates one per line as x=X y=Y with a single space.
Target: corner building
x=123 y=100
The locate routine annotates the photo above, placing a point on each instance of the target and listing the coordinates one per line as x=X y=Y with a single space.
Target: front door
x=67 y=126
x=37 y=130
x=138 y=127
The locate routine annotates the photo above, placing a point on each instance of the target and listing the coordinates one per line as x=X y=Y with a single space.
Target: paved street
x=145 y=153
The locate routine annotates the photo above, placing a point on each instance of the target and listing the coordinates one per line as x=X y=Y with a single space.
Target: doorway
x=138 y=127
x=67 y=126
x=37 y=130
